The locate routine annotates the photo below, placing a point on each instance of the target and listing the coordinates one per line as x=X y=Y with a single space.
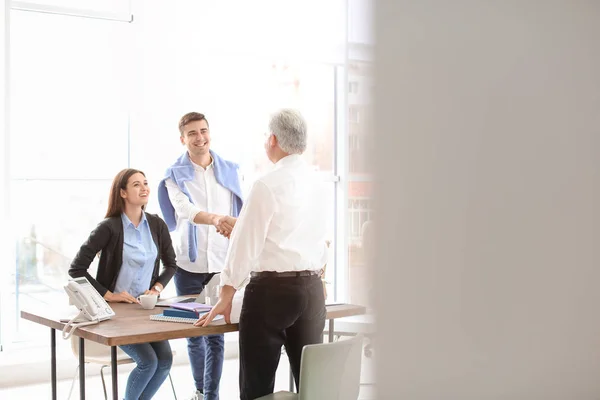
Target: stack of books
x=183 y=312
x=187 y=310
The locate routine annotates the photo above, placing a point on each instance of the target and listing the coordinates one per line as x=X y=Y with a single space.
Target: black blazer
x=107 y=238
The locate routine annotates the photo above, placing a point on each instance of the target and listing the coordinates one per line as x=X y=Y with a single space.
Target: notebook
x=179 y=299
x=174 y=312
x=193 y=306
x=161 y=317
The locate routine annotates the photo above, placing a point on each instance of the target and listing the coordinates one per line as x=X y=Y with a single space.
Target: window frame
x=72 y=11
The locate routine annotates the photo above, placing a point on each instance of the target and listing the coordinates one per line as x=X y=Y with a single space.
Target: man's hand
x=225 y=224
x=220 y=308
x=122 y=297
x=223 y=307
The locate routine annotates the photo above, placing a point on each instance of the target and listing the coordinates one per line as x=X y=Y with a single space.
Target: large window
x=90 y=97
x=360 y=204
x=69 y=135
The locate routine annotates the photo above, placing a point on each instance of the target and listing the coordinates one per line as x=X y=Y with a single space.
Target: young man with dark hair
x=199 y=198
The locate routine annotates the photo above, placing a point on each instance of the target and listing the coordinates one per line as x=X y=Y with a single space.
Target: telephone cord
x=74 y=325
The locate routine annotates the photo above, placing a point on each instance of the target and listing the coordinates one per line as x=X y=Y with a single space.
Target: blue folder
x=173 y=312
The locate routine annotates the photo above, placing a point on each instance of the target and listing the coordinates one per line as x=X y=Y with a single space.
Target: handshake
x=224 y=224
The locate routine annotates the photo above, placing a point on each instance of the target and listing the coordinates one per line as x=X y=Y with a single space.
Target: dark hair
x=116 y=204
x=190 y=117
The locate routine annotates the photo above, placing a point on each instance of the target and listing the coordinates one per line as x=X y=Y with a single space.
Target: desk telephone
x=92 y=307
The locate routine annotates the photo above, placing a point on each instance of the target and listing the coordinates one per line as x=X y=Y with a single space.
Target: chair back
x=331 y=370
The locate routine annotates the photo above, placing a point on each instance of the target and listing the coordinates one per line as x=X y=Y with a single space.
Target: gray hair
x=289 y=127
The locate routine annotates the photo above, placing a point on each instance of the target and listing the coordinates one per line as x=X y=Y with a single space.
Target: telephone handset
x=92 y=307
x=81 y=300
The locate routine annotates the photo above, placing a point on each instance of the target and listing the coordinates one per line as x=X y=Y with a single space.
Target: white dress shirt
x=282 y=226
x=208 y=196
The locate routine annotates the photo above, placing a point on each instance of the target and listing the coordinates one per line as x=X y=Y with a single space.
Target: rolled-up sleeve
x=181 y=203
x=248 y=236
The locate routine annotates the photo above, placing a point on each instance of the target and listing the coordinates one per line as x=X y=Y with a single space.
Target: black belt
x=286 y=274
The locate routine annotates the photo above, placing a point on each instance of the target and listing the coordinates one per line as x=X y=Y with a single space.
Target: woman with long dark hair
x=131 y=243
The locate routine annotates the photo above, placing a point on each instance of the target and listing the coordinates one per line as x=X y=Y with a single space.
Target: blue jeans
x=206 y=353
x=154 y=362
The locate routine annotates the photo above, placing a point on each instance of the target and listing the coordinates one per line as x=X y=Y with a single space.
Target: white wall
x=488 y=125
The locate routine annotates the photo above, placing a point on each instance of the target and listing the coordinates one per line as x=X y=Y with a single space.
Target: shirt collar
x=292 y=159
x=127 y=222
x=200 y=167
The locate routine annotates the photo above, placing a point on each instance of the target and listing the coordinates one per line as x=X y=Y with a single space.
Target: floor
x=182 y=380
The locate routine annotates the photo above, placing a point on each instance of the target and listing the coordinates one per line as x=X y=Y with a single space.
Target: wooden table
x=132 y=325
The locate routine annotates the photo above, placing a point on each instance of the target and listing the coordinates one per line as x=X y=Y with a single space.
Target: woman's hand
x=154 y=291
x=122 y=297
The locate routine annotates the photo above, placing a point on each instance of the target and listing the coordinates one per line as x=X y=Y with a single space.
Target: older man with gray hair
x=279 y=240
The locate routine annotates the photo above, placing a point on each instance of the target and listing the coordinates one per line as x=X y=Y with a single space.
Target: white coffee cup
x=148 y=301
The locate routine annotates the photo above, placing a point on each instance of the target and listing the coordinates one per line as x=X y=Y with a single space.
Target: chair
x=96 y=353
x=327 y=371
x=359 y=324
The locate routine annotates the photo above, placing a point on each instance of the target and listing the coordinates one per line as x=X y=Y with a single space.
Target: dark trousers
x=277 y=311
x=206 y=353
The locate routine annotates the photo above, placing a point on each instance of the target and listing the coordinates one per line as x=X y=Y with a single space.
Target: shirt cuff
x=226 y=280
x=192 y=215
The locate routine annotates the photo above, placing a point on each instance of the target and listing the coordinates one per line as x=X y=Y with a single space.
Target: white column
x=342 y=288
x=341 y=293
x=5 y=237
x=488 y=155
